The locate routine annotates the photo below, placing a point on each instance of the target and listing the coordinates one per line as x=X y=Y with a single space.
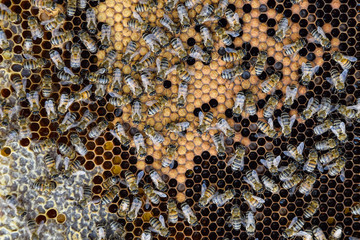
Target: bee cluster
x=81 y=158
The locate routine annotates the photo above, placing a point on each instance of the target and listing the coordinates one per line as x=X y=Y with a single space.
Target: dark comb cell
x=232 y=7
x=190 y=61
x=263 y=18
x=271 y=22
x=196 y=111
x=271 y=3
x=167 y=84
x=247 y=8
x=205 y=107
x=197 y=28
x=287 y=13
x=270 y=32
x=262 y=8
x=213 y=103
x=191 y=42
x=222 y=22
x=279 y=8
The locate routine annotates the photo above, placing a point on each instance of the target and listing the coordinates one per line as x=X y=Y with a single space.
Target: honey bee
x=311 y=108
x=260 y=62
x=318 y=233
x=19 y=86
x=134 y=209
x=308 y=72
x=118 y=230
x=153 y=195
x=267 y=129
x=320 y=37
x=237 y=161
x=181 y=72
x=224 y=126
x=24 y=130
x=81 y=4
x=105 y=36
x=311 y=209
x=35 y=28
x=50 y=110
x=124 y=207
x=61 y=38
x=204 y=14
x=14 y=202
x=115 y=84
x=110 y=195
x=158 y=105
x=290 y=96
x=108 y=61
x=270 y=184
x=271 y=162
x=197 y=53
x=223 y=35
x=232 y=73
x=119 y=133
x=109 y=182
x=207 y=194
x=220 y=10
x=67 y=122
x=191 y=3
x=31 y=228
x=145 y=62
x=158 y=182
x=170 y=5
x=31 y=63
x=159 y=227
x=182 y=93
x=145 y=5
x=339 y=129
x=85 y=121
x=152 y=43
x=293 y=182
x=140 y=145
x=44 y=4
x=91 y=20
x=254 y=202
x=328 y=157
x=307 y=185
x=55 y=23
x=287 y=172
x=178 y=128
x=169 y=161
x=337 y=79
x=344 y=61
x=149 y=86
x=355 y=210
x=324 y=109
x=132 y=182
x=326 y=144
x=133 y=84
x=218 y=139
x=295 y=152
x=336 y=233
x=239 y=104
x=136 y=111
x=162 y=67
x=100 y=230
x=295 y=47
x=337 y=168
x=270 y=106
x=33 y=99
x=67 y=151
x=68 y=77
x=183 y=16
x=120 y=101
x=312 y=162
x=252 y=178
x=71 y=8
x=88 y=41
x=286 y=123
x=154 y=136
x=44 y=146
x=79 y=146
x=294 y=227
x=42 y=185
x=233 y=20
x=146 y=235
x=173 y=212
x=349 y=112
x=189 y=214
x=160 y=36
x=207 y=38
x=75 y=59
x=169 y=24
x=98 y=129
x=282 y=29
x=249 y=223
x=57 y=60
x=221 y=198
x=324 y=127
x=271 y=83
x=130 y=52
x=178 y=46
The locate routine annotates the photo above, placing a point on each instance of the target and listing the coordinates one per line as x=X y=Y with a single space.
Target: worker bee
x=169 y=24
x=124 y=207
x=158 y=105
x=204 y=122
x=111 y=181
x=349 y=112
x=132 y=182
x=133 y=84
x=324 y=127
x=254 y=202
x=152 y=43
x=270 y=184
x=252 y=178
x=46 y=87
x=169 y=161
x=312 y=162
x=31 y=63
x=311 y=209
x=339 y=129
x=61 y=38
x=145 y=62
x=98 y=129
x=267 y=129
x=290 y=96
x=308 y=72
x=86 y=119
x=239 y=104
x=197 y=53
x=178 y=46
x=130 y=52
x=295 y=47
x=337 y=79
x=146 y=235
x=311 y=108
x=223 y=35
x=140 y=145
x=233 y=20
x=319 y=36
x=105 y=36
x=79 y=146
x=181 y=71
x=182 y=93
x=271 y=83
x=286 y=123
x=153 y=195
x=337 y=168
x=191 y=3
x=355 y=210
x=33 y=99
x=326 y=144
x=344 y=61
x=50 y=110
x=271 y=162
x=110 y=195
x=158 y=182
x=237 y=161
x=68 y=77
x=71 y=8
x=136 y=115
x=145 y=5
x=160 y=36
x=47 y=5
x=13 y=202
x=220 y=10
x=170 y=5
x=218 y=139
x=162 y=67
x=324 y=109
x=224 y=126
x=24 y=130
x=42 y=185
x=178 y=128
x=270 y=106
x=260 y=62
x=232 y=73
x=75 y=59
x=287 y=172
x=84 y=95
x=328 y=157
x=120 y=101
x=336 y=233
x=91 y=20
x=119 y=133
x=207 y=194
x=149 y=86
x=35 y=29
x=249 y=223
x=134 y=209
x=183 y=16
x=173 y=212
x=118 y=230
x=108 y=62
x=44 y=146
x=154 y=136
x=115 y=84
x=57 y=60
x=189 y=214
x=27 y=45
x=318 y=233
x=221 y=198
x=294 y=227
x=19 y=86
x=204 y=14
x=295 y=152
x=54 y=24
x=232 y=55
x=282 y=29
x=67 y=151
x=88 y=41
x=100 y=91
x=307 y=185
x=159 y=227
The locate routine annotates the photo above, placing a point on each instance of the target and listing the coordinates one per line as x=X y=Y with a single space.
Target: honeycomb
x=197 y=159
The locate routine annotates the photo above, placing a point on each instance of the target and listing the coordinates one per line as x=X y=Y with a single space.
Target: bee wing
x=277 y=160
x=327 y=167
x=300 y=148
x=255 y=175
x=170 y=70
x=293 y=221
x=288 y=46
x=47 y=21
x=203 y=189
x=311 y=100
x=29 y=57
x=28 y=97
x=58 y=161
x=150 y=103
x=24 y=82
x=137 y=16
x=314 y=70
x=41 y=226
x=162 y=220
x=321 y=31
x=319 y=166
x=280 y=121
x=232 y=33
x=230 y=50
x=264 y=162
x=292 y=120
x=343 y=75
x=342 y=127
x=231 y=160
x=66 y=163
x=5 y=8
x=146 y=56
x=201 y=117
x=330 y=80
x=351 y=59
x=287 y=153
x=87 y=88
x=248 y=182
x=283 y=24
x=303 y=67
x=161 y=194
x=158 y=64
x=342 y=175
x=259 y=199
x=354 y=107
x=271 y=123
x=139 y=176
x=67 y=70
